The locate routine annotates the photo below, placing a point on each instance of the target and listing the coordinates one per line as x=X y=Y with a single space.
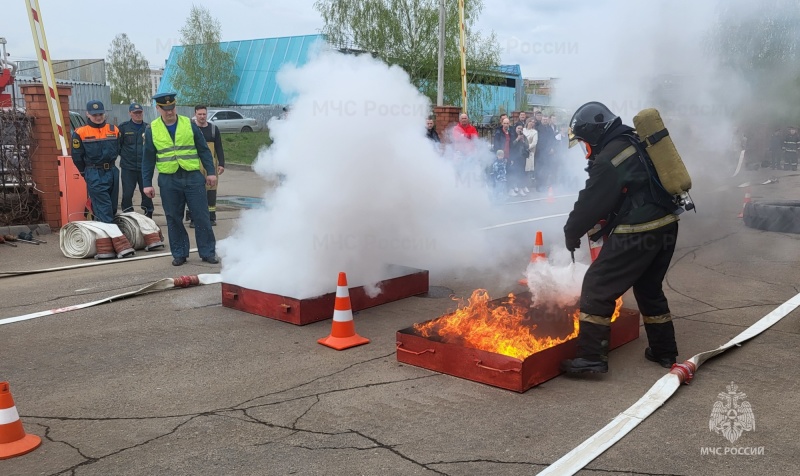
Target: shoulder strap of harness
x=625 y=204
x=661 y=197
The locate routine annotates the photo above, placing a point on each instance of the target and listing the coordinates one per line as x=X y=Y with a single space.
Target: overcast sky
x=538 y=35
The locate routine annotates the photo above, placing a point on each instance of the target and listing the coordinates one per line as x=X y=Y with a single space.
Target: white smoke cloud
x=363 y=187
x=555 y=282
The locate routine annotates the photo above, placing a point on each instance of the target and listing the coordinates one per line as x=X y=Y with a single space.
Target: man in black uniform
x=131 y=148
x=643 y=232
x=214 y=141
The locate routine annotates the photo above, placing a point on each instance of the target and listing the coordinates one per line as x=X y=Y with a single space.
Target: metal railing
x=19 y=204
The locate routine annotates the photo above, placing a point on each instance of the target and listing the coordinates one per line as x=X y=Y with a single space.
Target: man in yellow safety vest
x=176 y=147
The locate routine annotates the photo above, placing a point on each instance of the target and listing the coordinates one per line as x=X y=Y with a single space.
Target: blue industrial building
x=258 y=62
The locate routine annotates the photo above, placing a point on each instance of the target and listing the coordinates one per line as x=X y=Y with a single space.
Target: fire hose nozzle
x=572 y=253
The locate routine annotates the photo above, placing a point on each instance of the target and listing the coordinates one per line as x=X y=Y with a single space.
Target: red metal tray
x=402 y=282
x=497 y=369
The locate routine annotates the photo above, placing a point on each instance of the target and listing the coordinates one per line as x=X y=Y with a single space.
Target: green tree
x=204 y=71
x=406 y=33
x=759 y=41
x=128 y=71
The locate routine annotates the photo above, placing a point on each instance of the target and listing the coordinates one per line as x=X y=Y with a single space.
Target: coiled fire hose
x=658 y=394
x=160 y=285
x=82 y=239
x=141 y=232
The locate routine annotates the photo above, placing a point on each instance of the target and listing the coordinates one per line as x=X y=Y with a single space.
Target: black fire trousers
x=638 y=260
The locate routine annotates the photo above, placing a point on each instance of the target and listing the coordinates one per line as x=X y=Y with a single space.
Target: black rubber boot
x=188 y=215
x=663 y=350
x=592 y=356
x=213 y=218
x=665 y=362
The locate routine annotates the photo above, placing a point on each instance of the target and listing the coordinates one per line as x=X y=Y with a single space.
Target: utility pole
x=440 y=75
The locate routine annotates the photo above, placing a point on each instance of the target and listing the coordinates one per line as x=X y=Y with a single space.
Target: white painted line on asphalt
x=540 y=199
x=6 y=274
x=529 y=220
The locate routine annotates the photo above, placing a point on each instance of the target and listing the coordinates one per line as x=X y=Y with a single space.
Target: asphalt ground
x=174 y=383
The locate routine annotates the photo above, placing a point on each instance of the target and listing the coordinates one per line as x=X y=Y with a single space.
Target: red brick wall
x=44 y=160
x=446 y=116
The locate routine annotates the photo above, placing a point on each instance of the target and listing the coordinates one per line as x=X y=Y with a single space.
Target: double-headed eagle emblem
x=732 y=415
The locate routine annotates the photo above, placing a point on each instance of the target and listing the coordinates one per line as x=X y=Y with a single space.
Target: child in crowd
x=500 y=176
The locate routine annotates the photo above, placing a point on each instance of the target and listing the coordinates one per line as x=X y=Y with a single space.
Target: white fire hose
x=78 y=239
x=160 y=285
x=142 y=232
x=129 y=232
x=658 y=394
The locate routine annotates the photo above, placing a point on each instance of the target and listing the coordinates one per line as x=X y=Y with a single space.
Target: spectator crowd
x=528 y=153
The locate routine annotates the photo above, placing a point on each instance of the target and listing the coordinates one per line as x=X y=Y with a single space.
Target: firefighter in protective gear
x=176 y=147
x=95 y=148
x=637 y=253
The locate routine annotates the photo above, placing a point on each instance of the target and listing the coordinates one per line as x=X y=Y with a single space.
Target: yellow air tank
x=666 y=159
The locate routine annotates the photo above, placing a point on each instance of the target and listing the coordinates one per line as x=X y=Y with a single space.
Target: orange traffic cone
x=343 y=330
x=746 y=201
x=13 y=440
x=538 y=254
x=595 y=246
x=550 y=197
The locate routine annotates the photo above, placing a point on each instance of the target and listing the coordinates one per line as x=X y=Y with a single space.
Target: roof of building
x=257 y=65
x=510 y=70
x=36 y=79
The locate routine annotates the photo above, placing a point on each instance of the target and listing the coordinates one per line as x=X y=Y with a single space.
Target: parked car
x=76 y=120
x=232 y=121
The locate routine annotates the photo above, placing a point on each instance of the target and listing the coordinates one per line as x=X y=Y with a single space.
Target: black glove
x=572 y=243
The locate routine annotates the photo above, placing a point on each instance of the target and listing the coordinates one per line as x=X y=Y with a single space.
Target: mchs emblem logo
x=732 y=415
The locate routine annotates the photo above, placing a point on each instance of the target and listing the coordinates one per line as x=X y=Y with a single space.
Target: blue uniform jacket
x=149 y=156
x=131 y=145
x=94 y=144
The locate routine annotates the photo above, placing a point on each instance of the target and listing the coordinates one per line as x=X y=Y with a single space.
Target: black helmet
x=590 y=123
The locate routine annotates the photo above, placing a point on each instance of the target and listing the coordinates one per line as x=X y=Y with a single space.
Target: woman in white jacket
x=532 y=135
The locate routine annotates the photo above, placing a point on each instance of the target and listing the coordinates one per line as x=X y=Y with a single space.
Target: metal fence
x=80 y=95
x=18 y=203
x=118 y=113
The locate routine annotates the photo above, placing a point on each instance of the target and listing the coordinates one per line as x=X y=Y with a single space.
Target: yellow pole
x=463 y=57
x=46 y=70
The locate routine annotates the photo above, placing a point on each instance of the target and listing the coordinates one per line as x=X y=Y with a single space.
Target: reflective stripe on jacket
x=178 y=153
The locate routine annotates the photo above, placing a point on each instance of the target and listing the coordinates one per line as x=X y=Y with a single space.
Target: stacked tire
x=781 y=216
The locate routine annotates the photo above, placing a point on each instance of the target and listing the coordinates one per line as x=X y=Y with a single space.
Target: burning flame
x=504 y=329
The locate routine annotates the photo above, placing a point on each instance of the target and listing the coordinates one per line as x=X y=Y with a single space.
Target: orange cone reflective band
x=538 y=254
x=13 y=440
x=746 y=201
x=343 y=330
x=595 y=246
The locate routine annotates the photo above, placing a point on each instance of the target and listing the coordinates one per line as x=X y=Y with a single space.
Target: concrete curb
x=241 y=167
